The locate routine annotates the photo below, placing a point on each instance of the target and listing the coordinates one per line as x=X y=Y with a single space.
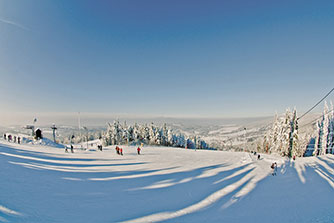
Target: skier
x=4 y=136
x=14 y=139
x=273 y=167
x=258 y=156
x=66 y=151
x=72 y=148
x=121 y=151
x=138 y=151
x=19 y=140
x=117 y=150
x=294 y=157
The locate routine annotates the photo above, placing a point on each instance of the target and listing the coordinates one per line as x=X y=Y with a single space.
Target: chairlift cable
x=316 y=104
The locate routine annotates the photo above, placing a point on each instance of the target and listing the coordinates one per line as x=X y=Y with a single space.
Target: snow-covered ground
x=44 y=184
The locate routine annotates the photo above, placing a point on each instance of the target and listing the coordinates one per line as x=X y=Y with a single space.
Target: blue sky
x=172 y=58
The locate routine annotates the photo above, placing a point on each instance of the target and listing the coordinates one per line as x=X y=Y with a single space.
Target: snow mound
x=42 y=142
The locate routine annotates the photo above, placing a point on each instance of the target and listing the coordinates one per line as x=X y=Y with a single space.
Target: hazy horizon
x=100 y=119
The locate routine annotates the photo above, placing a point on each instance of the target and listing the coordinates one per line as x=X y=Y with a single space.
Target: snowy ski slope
x=45 y=184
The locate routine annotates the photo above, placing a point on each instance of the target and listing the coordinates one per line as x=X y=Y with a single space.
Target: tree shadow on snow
x=178 y=196
x=46 y=155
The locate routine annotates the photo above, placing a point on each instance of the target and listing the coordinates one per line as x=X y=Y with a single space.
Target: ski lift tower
x=32 y=127
x=54 y=128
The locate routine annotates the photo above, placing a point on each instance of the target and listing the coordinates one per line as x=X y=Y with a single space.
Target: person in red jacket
x=121 y=150
x=138 y=151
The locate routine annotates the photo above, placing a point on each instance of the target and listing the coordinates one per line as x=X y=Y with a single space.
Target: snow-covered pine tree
x=317 y=137
x=280 y=135
x=331 y=129
x=285 y=133
x=274 y=136
x=108 y=135
x=169 y=137
x=152 y=134
x=146 y=134
x=181 y=141
x=174 y=141
x=158 y=137
x=118 y=132
x=124 y=133
x=265 y=144
x=136 y=132
x=164 y=135
x=324 y=136
x=303 y=143
x=294 y=138
x=130 y=132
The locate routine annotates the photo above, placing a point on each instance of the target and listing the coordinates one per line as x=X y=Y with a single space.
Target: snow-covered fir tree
x=331 y=129
x=324 y=126
x=294 y=146
x=285 y=134
x=274 y=135
x=316 y=139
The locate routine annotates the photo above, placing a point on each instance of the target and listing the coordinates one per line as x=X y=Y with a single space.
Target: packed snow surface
x=44 y=184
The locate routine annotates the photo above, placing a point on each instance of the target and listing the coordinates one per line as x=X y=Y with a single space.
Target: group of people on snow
x=258 y=155
x=10 y=138
x=273 y=165
x=119 y=151
x=72 y=149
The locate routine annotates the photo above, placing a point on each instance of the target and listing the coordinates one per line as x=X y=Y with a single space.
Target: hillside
x=44 y=184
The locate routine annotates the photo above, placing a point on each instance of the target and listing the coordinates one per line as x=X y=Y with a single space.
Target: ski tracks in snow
x=243 y=170
x=258 y=171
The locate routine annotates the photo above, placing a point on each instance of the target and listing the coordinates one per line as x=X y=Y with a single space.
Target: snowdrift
x=42 y=142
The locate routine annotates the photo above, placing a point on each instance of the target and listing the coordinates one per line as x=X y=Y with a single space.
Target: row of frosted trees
x=284 y=137
x=118 y=134
x=322 y=138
